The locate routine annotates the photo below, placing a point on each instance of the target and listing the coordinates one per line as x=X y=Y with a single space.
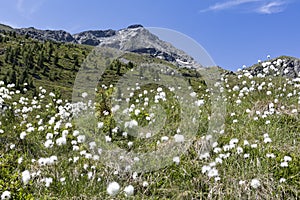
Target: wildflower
x=267 y=140
x=48 y=143
x=113 y=188
x=63 y=180
x=246 y=155
x=242 y=182
x=218 y=160
x=287 y=158
x=84 y=95
x=100 y=124
x=204 y=156
x=61 y=141
x=145 y=184
x=179 y=138
x=234 y=141
x=284 y=164
x=217 y=150
x=131 y=124
x=205 y=169
x=107 y=138
x=48 y=181
x=239 y=150
x=81 y=138
x=52 y=159
x=212 y=172
x=25 y=176
x=129 y=190
x=130 y=144
x=270 y=155
x=176 y=160
x=49 y=136
x=282 y=180
x=255 y=183
x=23 y=135
x=5 y=195
x=164 y=138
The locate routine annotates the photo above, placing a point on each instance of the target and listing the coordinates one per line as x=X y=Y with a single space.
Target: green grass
x=236 y=162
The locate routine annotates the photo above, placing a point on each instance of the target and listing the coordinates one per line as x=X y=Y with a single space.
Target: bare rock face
x=93 y=38
x=137 y=39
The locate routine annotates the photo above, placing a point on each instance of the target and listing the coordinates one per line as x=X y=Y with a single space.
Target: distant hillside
x=54 y=65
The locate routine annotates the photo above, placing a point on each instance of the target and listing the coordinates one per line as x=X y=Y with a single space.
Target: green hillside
x=152 y=131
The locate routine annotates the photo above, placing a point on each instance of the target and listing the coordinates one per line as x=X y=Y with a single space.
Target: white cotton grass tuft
x=25 y=176
x=5 y=195
x=255 y=183
x=129 y=190
x=113 y=188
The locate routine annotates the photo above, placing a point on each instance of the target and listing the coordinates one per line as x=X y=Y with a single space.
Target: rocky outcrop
x=93 y=37
x=54 y=35
x=282 y=66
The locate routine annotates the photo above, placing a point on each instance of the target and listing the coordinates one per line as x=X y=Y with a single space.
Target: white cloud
x=228 y=4
x=259 y=6
x=272 y=7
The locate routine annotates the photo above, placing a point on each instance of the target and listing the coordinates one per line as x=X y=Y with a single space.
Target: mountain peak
x=135 y=26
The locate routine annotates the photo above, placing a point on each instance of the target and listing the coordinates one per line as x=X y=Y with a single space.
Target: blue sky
x=234 y=32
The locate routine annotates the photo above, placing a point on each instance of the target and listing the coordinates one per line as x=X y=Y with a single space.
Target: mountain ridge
x=144 y=42
x=148 y=44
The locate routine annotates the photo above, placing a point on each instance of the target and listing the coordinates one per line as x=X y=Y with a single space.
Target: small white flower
x=107 y=138
x=84 y=95
x=113 y=188
x=20 y=160
x=48 y=181
x=270 y=155
x=145 y=184
x=100 y=124
x=164 y=138
x=282 y=180
x=287 y=158
x=205 y=169
x=284 y=164
x=255 y=183
x=267 y=140
x=129 y=190
x=179 y=138
x=25 y=176
x=176 y=160
x=204 y=156
x=5 y=195
x=242 y=182
x=213 y=172
x=81 y=138
x=23 y=135
x=61 y=141
x=130 y=144
x=239 y=150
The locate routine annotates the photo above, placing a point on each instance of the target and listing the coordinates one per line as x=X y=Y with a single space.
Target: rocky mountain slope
x=285 y=66
x=134 y=38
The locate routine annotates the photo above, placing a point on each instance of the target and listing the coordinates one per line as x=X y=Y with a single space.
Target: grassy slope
x=248 y=120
